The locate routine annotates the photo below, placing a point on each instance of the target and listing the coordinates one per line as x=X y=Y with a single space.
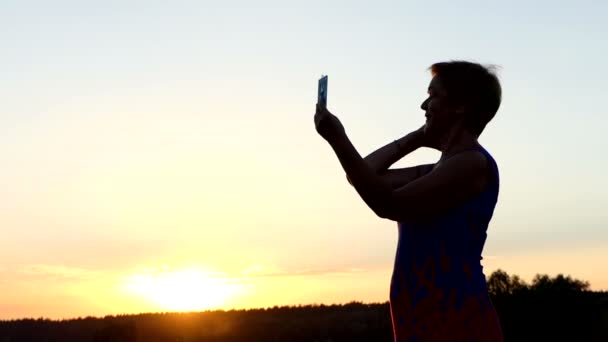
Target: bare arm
x=371 y=187
x=381 y=159
x=402 y=176
x=462 y=177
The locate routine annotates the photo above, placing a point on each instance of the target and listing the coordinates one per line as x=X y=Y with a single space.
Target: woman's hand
x=327 y=124
x=426 y=140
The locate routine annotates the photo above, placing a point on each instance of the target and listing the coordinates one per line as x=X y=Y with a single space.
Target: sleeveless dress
x=438 y=290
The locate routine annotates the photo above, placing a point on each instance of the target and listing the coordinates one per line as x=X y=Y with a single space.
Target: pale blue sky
x=138 y=133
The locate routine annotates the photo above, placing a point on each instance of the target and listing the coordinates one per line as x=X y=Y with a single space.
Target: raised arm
x=461 y=178
x=402 y=176
x=381 y=159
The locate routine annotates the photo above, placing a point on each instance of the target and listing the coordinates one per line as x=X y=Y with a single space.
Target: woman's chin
x=427 y=129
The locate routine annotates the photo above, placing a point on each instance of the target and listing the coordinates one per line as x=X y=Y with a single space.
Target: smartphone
x=322 y=92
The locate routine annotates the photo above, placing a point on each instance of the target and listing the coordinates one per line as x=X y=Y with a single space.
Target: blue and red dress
x=438 y=289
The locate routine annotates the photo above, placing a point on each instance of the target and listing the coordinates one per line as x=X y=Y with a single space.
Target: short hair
x=473 y=85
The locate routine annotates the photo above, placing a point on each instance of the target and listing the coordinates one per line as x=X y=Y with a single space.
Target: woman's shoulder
x=493 y=178
x=492 y=164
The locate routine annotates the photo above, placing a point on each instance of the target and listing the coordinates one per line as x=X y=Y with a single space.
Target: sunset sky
x=161 y=155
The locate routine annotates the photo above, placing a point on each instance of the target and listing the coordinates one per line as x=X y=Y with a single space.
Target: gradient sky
x=161 y=155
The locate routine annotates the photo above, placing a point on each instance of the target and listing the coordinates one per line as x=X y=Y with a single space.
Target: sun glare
x=183 y=290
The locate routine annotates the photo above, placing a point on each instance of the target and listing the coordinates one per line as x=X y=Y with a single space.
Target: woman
x=438 y=290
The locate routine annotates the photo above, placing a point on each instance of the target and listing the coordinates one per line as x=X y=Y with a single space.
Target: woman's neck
x=457 y=140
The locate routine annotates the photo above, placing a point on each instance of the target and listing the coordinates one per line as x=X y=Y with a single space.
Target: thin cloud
x=48 y=271
x=258 y=271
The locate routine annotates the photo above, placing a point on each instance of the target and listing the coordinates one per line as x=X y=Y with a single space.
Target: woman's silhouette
x=438 y=290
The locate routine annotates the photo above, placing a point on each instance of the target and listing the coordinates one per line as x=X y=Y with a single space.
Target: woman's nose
x=424 y=104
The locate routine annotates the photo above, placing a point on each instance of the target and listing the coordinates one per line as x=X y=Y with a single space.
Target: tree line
x=556 y=308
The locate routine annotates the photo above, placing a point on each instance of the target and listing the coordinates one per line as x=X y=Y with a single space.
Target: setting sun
x=181 y=290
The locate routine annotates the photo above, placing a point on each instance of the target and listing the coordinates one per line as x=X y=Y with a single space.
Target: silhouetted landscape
x=549 y=309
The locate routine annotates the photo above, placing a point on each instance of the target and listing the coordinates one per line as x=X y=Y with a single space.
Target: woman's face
x=440 y=114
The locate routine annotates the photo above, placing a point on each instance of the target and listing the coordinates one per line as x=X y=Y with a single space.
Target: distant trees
x=500 y=284
x=559 y=284
x=117 y=331
x=557 y=308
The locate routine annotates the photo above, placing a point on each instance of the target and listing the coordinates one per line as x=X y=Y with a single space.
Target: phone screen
x=322 y=92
